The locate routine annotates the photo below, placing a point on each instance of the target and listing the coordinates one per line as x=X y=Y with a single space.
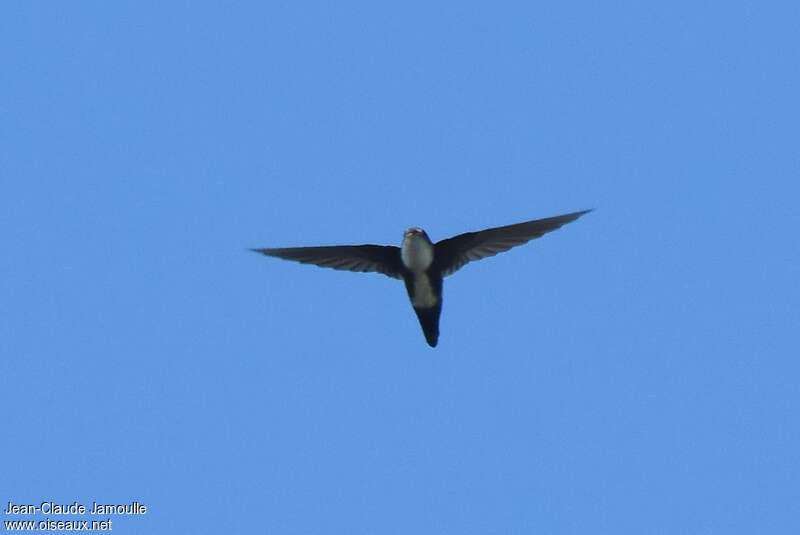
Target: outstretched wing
x=379 y=258
x=451 y=254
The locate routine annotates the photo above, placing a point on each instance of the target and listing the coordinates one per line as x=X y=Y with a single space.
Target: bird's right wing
x=363 y=258
x=454 y=252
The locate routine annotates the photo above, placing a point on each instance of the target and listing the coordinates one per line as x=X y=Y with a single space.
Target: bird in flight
x=422 y=264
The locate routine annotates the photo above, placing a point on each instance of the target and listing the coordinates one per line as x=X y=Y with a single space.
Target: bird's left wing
x=453 y=253
x=363 y=258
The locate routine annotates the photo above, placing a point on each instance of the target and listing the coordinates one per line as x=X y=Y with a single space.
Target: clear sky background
x=633 y=372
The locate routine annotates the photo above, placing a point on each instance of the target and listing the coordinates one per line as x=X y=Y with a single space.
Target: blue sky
x=634 y=372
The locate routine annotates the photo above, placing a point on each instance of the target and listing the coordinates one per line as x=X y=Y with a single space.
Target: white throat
x=417 y=253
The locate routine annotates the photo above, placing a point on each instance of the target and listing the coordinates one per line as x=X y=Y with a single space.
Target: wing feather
x=361 y=258
x=452 y=253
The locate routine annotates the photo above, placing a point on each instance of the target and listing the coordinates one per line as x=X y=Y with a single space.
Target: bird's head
x=415 y=232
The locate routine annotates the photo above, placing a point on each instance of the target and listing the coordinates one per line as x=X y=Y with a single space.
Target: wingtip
x=575 y=215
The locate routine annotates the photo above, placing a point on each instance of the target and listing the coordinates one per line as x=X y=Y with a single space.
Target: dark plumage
x=421 y=264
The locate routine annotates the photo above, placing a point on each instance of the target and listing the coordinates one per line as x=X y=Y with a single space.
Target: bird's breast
x=417 y=253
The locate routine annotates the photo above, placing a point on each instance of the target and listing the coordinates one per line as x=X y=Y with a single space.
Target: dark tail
x=429 y=321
